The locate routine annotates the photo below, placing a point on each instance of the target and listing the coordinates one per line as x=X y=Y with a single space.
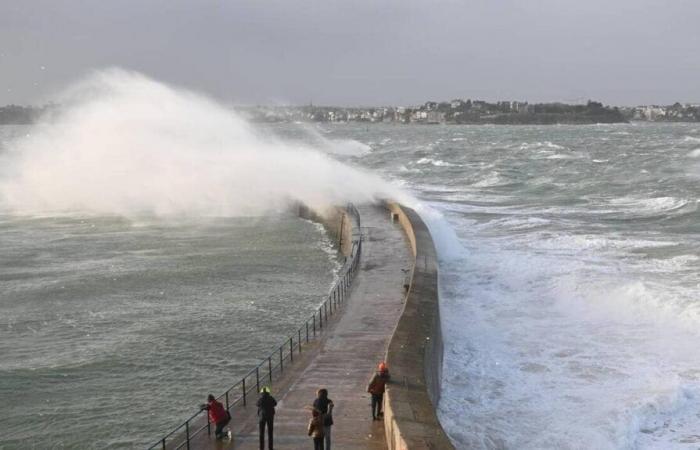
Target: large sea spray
x=127 y=145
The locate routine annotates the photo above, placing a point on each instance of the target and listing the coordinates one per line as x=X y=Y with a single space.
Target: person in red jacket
x=219 y=416
x=376 y=387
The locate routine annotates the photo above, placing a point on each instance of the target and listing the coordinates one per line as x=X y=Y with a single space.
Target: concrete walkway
x=344 y=360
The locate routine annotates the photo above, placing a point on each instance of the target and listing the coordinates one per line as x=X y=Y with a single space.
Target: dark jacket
x=266 y=406
x=377 y=384
x=325 y=405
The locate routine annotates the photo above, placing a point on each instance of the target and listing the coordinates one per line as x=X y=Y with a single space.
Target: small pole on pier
x=320 y=317
x=187 y=433
x=291 y=350
x=243 y=381
x=307 y=331
x=227 y=406
x=269 y=367
x=281 y=360
x=257 y=379
x=314 y=323
x=299 y=340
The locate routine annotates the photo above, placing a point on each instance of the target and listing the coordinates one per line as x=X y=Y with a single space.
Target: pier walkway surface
x=344 y=359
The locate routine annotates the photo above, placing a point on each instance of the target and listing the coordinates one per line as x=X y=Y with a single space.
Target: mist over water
x=148 y=258
x=128 y=145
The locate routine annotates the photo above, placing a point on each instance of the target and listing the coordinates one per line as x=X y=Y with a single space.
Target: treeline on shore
x=452 y=112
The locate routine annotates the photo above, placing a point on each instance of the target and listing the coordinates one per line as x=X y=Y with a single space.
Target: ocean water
x=569 y=260
x=113 y=329
x=569 y=277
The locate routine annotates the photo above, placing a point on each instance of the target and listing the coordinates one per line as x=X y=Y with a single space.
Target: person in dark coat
x=325 y=406
x=266 y=417
x=376 y=387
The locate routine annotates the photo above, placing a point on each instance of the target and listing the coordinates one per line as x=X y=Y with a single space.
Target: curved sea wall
x=339 y=223
x=415 y=350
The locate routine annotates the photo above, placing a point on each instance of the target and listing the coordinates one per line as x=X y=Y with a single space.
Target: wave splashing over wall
x=127 y=145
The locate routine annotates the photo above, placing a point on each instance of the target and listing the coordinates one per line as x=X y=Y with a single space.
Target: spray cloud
x=125 y=144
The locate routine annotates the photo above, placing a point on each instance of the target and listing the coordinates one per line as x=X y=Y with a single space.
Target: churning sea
x=569 y=289
x=569 y=278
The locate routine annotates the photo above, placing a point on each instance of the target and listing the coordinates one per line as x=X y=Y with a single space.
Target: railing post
x=299 y=340
x=244 y=400
x=320 y=317
x=307 y=331
x=257 y=379
x=227 y=406
x=291 y=350
x=281 y=360
x=187 y=433
x=314 y=323
x=269 y=367
x=163 y=442
x=325 y=310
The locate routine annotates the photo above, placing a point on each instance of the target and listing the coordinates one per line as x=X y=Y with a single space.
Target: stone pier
x=345 y=358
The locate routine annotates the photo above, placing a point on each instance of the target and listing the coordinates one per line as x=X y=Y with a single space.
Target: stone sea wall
x=416 y=349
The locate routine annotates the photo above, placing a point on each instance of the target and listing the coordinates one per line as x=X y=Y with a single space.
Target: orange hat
x=382 y=367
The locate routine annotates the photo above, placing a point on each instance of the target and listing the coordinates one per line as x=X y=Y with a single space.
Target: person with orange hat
x=376 y=387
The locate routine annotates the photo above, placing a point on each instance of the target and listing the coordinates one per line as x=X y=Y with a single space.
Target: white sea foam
x=129 y=145
x=492 y=179
x=540 y=145
x=435 y=162
x=648 y=205
x=694 y=153
x=349 y=147
x=529 y=335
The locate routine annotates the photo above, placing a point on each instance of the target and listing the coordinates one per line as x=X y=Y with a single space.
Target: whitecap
x=349 y=147
x=493 y=179
x=435 y=162
x=648 y=205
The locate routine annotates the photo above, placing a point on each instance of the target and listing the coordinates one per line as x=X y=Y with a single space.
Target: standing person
x=325 y=406
x=316 y=428
x=266 y=416
x=219 y=416
x=376 y=387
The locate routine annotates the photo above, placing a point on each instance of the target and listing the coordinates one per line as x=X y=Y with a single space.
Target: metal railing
x=274 y=364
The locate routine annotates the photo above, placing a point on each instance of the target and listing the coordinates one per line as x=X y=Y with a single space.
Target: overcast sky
x=361 y=52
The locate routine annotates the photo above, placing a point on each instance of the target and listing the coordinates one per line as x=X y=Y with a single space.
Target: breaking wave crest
x=128 y=145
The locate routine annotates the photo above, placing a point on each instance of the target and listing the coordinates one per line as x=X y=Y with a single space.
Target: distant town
x=456 y=111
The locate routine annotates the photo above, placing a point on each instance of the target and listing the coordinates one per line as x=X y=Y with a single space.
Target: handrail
x=276 y=360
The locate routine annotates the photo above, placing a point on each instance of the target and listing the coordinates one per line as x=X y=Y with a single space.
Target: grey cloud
x=361 y=52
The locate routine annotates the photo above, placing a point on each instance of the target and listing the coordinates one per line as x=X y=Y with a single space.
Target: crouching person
x=218 y=416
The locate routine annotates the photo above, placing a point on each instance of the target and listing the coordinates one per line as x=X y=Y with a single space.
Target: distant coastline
x=479 y=112
x=456 y=111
